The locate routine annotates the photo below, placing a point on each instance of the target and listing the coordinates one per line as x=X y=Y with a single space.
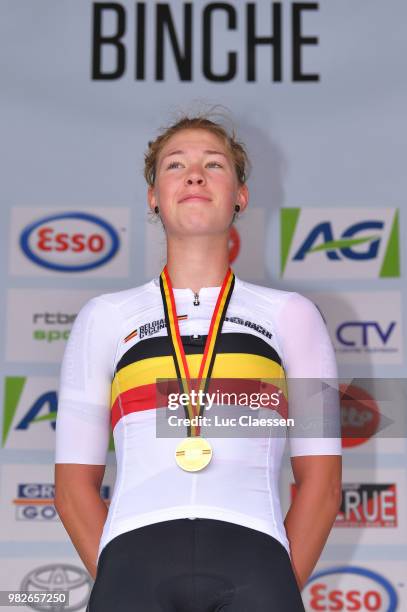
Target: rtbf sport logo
x=68 y=242
x=339 y=243
x=35 y=501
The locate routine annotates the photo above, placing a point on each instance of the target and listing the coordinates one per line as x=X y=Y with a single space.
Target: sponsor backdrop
x=85 y=86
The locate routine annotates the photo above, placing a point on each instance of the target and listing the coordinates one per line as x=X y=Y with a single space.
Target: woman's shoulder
x=286 y=300
x=267 y=292
x=119 y=297
x=113 y=301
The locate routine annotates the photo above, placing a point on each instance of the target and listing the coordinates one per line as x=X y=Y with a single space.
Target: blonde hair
x=236 y=149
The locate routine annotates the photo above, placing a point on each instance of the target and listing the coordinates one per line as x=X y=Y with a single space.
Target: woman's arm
x=313 y=509
x=83 y=425
x=80 y=508
x=315 y=440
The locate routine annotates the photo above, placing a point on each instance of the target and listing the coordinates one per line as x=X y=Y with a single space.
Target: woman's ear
x=152 y=200
x=243 y=196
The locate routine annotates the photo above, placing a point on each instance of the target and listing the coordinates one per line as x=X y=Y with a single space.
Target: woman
x=193 y=524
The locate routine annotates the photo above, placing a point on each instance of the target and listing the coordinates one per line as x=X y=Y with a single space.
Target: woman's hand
x=80 y=507
x=313 y=511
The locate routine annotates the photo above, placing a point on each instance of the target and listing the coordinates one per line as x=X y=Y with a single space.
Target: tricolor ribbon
x=209 y=354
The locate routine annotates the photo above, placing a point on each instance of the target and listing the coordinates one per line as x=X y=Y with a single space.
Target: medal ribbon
x=209 y=354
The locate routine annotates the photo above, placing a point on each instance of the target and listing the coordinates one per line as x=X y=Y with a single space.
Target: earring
x=237 y=208
x=156 y=210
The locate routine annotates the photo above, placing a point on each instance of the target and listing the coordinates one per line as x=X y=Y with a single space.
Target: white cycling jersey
x=118 y=348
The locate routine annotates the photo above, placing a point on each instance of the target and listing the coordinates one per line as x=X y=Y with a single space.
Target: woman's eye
x=176 y=164
x=173 y=164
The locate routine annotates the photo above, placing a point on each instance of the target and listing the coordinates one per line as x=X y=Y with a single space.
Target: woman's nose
x=194 y=179
x=195 y=175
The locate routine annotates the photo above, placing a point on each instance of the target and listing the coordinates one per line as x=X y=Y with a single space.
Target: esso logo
x=70 y=242
x=349 y=589
x=234 y=244
x=360 y=416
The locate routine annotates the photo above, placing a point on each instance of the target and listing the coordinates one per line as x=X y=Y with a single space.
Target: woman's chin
x=199 y=223
x=199 y=228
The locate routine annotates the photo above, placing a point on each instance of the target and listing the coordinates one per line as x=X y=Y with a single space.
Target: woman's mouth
x=194 y=196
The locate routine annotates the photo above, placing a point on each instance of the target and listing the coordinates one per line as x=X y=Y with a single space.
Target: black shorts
x=199 y=565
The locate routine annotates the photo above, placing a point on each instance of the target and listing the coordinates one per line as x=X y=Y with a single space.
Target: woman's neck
x=197 y=261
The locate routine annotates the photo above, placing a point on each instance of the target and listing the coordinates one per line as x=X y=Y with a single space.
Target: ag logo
x=30 y=409
x=30 y=412
x=344 y=243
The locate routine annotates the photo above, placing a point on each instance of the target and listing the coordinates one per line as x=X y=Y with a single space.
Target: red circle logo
x=360 y=415
x=234 y=244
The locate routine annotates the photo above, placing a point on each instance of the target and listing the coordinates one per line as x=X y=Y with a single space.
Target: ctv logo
x=367 y=336
x=358 y=333
x=365 y=326
x=44 y=241
x=349 y=588
x=339 y=243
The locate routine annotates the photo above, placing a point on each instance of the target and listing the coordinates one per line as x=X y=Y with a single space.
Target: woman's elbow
x=64 y=490
x=61 y=498
x=335 y=495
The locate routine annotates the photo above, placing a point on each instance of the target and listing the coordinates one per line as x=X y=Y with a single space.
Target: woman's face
x=196 y=186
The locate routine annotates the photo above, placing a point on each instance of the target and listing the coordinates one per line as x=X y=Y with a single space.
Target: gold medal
x=193 y=454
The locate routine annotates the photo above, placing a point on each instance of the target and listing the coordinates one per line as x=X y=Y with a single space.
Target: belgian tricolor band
x=209 y=354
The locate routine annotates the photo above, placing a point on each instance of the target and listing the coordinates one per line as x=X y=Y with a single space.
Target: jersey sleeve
x=312 y=379
x=83 y=418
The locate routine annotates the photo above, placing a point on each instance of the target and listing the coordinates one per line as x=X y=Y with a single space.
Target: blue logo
x=363 y=330
x=354 y=597
x=70 y=242
x=35 y=501
x=46 y=403
x=314 y=240
x=344 y=244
